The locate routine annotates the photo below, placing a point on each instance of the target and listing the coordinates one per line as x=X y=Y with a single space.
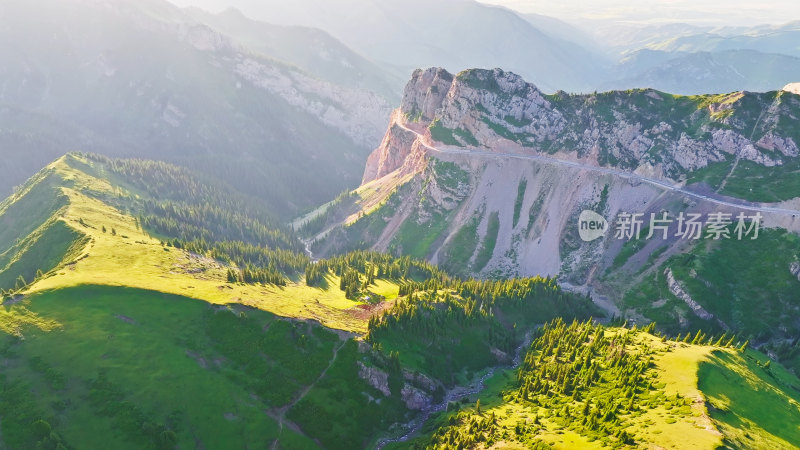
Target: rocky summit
x=487 y=176
x=641 y=130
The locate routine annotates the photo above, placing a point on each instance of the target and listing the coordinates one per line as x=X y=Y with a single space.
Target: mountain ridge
x=149 y=80
x=478 y=175
x=477 y=35
x=497 y=109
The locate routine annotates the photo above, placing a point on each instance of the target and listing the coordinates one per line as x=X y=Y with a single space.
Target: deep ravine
x=414 y=426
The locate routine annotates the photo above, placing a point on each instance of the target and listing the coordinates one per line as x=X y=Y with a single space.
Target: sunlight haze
x=700 y=12
x=705 y=12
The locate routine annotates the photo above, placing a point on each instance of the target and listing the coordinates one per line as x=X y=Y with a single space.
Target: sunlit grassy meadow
x=117 y=252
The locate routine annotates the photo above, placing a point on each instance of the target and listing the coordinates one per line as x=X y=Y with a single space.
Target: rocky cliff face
x=399 y=151
x=486 y=176
x=794 y=88
x=358 y=113
x=527 y=208
x=638 y=130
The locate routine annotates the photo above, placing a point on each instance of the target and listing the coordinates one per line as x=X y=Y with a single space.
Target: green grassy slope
x=747 y=285
x=130 y=335
x=91 y=220
x=42 y=250
x=753 y=401
x=153 y=346
x=139 y=369
x=31 y=238
x=585 y=386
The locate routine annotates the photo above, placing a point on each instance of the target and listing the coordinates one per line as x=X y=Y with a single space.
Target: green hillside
x=148 y=306
x=141 y=369
x=588 y=386
x=151 y=307
x=198 y=250
x=760 y=302
x=87 y=219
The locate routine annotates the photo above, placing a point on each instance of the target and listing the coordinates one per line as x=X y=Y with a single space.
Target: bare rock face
x=424 y=94
x=773 y=142
x=662 y=134
x=795 y=269
x=415 y=399
x=395 y=149
x=679 y=291
x=480 y=100
x=459 y=119
x=418 y=379
x=375 y=377
x=357 y=113
x=734 y=143
x=415 y=392
x=794 y=88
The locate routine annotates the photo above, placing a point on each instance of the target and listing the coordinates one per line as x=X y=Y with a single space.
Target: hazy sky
x=715 y=12
x=718 y=12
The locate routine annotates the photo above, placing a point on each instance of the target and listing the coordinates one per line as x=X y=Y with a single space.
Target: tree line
x=584 y=377
x=470 y=324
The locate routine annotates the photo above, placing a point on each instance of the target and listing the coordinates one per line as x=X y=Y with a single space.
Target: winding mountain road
x=605 y=170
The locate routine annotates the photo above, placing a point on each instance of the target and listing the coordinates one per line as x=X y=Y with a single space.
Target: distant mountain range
x=278 y=94
x=783 y=39
x=455 y=34
x=553 y=54
x=706 y=71
x=146 y=79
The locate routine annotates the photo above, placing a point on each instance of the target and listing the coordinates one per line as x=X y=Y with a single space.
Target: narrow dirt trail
x=280 y=414
x=308 y=388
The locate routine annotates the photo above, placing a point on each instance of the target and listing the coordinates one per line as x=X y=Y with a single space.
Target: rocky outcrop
x=359 y=114
x=375 y=377
x=794 y=88
x=395 y=152
x=772 y=142
x=418 y=379
x=501 y=356
x=460 y=120
x=424 y=94
x=203 y=37
x=414 y=398
x=485 y=103
x=679 y=291
x=794 y=268
x=661 y=134
x=415 y=392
